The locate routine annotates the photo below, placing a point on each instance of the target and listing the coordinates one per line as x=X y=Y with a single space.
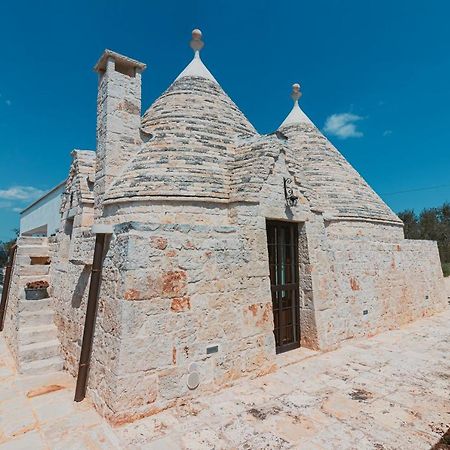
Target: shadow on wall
x=81 y=286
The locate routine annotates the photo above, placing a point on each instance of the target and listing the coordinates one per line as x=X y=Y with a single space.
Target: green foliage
x=446 y=269
x=433 y=224
x=4 y=249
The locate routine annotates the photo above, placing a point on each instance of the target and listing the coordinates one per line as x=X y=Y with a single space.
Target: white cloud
x=387 y=132
x=343 y=125
x=23 y=193
x=17 y=209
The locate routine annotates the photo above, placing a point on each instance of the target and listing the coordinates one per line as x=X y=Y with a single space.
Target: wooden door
x=282 y=240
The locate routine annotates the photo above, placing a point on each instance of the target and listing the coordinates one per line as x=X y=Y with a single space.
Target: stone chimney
x=118 y=118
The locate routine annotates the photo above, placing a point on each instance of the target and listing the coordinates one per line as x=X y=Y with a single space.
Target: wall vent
x=212 y=349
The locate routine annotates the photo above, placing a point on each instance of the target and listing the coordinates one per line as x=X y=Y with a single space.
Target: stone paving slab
x=391 y=391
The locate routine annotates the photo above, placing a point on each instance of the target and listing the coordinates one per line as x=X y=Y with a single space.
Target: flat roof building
x=43 y=216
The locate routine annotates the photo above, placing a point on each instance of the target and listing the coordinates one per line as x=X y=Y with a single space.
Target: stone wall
x=70 y=281
x=72 y=259
x=196 y=276
x=170 y=291
x=273 y=206
x=182 y=277
x=374 y=286
x=363 y=230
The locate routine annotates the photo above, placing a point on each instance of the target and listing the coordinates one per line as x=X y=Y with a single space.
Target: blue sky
x=375 y=75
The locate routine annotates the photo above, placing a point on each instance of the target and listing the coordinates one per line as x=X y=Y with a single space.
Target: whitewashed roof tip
x=296 y=116
x=196 y=68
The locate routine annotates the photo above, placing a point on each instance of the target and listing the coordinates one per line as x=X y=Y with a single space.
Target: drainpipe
x=101 y=232
x=6 y=284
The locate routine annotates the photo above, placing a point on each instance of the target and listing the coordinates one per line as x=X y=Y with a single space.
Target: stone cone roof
x=254 y=162
x=190 y=131
x=340 y=190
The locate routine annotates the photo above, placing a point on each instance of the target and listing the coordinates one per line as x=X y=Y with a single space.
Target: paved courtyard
x=388 y=392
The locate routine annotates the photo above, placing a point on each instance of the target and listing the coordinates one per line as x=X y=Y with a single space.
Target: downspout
x=101 y=232
x=6 y=284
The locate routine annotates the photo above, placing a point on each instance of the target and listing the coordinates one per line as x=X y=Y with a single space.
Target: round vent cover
x=193 y=380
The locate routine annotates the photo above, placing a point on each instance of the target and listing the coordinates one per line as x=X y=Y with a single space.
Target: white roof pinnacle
x=196 y=68
x=296 y=116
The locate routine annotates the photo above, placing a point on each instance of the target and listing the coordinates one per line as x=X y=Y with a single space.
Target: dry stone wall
x=374 y=286
x=71 y=263
x=363 y=230
x=170 y=291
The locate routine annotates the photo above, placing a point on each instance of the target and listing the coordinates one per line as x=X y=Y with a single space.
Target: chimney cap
x=124 y=60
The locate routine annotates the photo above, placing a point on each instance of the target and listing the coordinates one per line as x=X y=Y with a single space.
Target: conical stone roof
x=190 y=131
x=340 y=190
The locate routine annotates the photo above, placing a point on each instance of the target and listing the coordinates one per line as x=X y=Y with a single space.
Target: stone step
x=35 y=270
x=26 y=278
x=30 y=240
x=25 y=260
x=40 y=333
x=33 y=250
x=54 y=364
x=35 y=305
x=35 y=318
x=39 y=350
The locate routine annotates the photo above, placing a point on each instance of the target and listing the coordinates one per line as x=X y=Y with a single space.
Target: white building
x=42 y=217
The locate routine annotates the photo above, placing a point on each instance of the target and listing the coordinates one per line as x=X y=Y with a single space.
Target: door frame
x=293 y=287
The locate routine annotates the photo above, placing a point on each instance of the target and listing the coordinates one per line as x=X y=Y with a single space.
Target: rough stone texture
x=73 y=251
x=341 y=191
x=37 y=412
x=196 y=114
x=29 y=324
x=163 y=282
x=386 y=392
x=118 y=121
x=374 y=286
x=363 y=230
x=186 y=267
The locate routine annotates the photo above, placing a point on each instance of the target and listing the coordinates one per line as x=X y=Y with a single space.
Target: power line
x=429 y=188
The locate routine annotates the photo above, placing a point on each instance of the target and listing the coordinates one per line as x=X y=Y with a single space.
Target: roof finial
x=296 y=116
x=296 y=94
x=196 y=42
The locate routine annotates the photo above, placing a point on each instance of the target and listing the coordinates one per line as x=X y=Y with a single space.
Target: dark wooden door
x=282 y=240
